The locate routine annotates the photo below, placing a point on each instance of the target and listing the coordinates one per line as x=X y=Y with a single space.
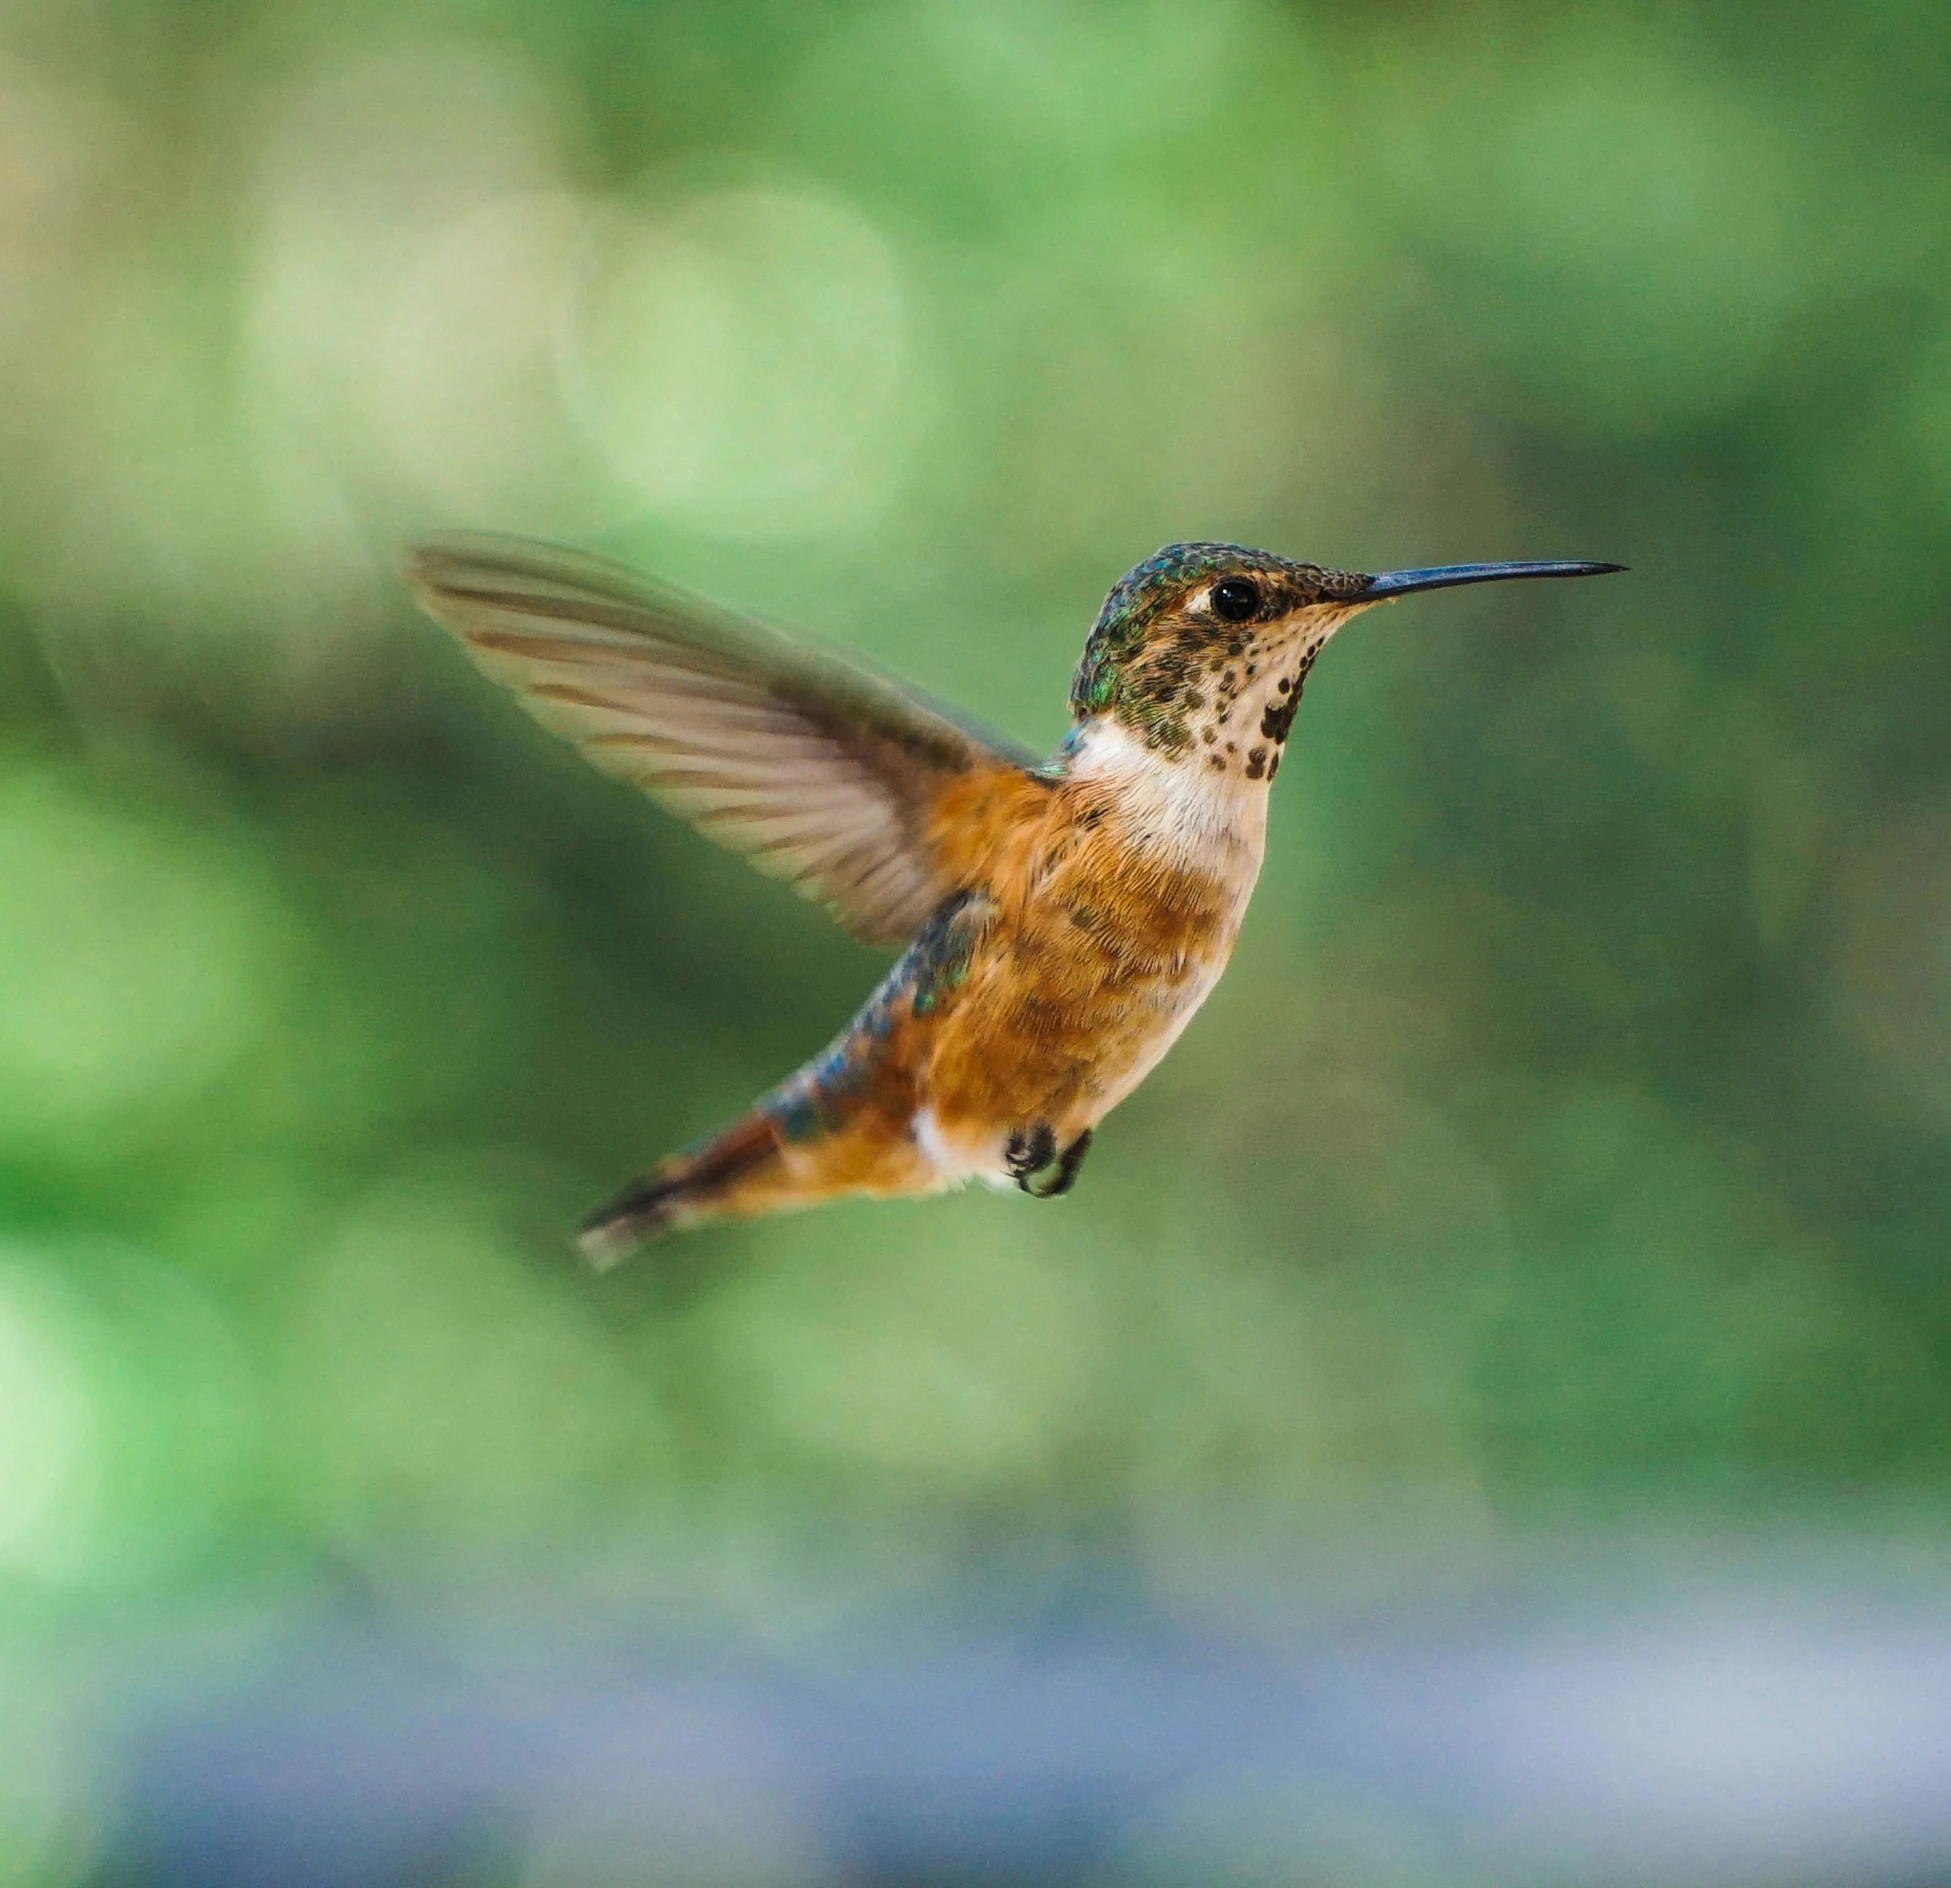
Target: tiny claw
x=1028 y=1152
x=1065 y=1177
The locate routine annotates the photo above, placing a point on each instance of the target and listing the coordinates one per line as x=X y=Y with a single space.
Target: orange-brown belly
x=1068 y=1004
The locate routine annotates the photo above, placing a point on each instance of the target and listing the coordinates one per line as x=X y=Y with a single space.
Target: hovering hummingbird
x=1060 y=920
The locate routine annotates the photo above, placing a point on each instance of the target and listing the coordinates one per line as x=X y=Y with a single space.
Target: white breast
x=1217 y=821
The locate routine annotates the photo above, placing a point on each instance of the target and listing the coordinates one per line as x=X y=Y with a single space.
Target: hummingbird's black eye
x=1237 y=600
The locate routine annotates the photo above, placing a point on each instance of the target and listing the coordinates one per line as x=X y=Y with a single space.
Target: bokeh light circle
x=136 y=961
x=48 y=1423
x=738 y=363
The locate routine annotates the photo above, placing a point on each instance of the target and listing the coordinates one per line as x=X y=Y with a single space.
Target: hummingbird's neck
x=1172 y=804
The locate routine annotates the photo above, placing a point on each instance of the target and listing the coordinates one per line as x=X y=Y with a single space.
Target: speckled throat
x=1226 y=704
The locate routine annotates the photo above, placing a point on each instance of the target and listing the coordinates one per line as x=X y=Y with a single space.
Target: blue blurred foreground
x=1783 y=1716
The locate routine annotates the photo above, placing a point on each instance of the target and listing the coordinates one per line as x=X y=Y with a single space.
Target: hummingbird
x=1059 y=919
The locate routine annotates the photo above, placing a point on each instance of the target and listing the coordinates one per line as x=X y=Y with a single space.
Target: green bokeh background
x=1567 y=1144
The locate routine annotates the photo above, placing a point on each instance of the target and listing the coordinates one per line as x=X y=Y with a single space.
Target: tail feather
x=679 y=1191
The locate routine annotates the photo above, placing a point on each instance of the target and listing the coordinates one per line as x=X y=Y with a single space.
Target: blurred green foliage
x=1570 y=1135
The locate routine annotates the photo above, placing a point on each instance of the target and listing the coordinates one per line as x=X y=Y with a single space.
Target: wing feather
x=820 y=771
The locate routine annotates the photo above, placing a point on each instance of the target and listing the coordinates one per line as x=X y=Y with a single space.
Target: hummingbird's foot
x=1066 y=1175
x=1032 y=1151
x=1029 y=1151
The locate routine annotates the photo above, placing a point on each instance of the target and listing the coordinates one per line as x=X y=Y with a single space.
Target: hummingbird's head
x=1202 y=650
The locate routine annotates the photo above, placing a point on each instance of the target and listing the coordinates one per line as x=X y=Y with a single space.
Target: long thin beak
x=1399 y=583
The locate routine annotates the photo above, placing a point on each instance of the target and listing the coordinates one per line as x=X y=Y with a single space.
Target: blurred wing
x=822 y=772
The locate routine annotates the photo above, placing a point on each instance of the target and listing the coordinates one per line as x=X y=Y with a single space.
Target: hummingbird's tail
x=703 y=1182
x=796 y=1147
x=843 y=1124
